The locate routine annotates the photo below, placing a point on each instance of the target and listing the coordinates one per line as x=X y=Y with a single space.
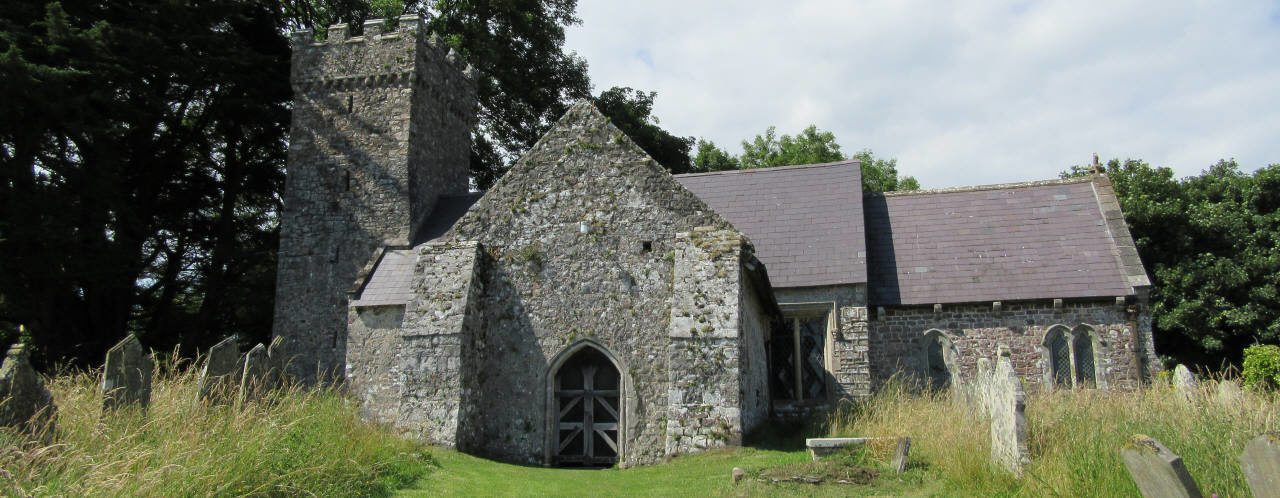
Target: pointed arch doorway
x=585 y=409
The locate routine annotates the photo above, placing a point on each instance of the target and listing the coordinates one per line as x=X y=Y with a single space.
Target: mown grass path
x=705 y=474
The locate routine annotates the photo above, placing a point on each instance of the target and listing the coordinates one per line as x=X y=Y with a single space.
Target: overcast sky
x=960 y=92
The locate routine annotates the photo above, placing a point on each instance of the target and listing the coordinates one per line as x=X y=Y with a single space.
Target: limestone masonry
x=593 y=309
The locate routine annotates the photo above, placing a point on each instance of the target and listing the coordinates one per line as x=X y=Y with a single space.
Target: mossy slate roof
x=805 y=221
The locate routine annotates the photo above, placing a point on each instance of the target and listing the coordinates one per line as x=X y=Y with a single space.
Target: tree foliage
x=631 y=111
x=141 y=158
x=811 y=146
x=1211 y=244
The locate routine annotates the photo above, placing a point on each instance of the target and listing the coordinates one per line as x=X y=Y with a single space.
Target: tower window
x=346 y=180
x=351 y=102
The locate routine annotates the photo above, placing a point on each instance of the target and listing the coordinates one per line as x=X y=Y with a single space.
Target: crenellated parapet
x=388 y=54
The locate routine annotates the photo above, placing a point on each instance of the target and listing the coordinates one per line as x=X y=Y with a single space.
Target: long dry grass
x=1074 y=437
x=294 y=442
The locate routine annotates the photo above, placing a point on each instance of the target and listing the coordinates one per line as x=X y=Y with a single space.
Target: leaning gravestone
x=254 y=376
x=221 y=372
x=1261 y=465
x=277 y=362
x=126 y=376
x=1008 y=405
x=24 y=401
x=1158 y=472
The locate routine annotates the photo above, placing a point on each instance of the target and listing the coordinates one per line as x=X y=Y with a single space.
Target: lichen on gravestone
x=25 y=403
x=1158 y=472
x=126 y=375
x=1260 y=462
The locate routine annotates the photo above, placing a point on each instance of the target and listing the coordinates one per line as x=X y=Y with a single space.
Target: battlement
x=384 y=56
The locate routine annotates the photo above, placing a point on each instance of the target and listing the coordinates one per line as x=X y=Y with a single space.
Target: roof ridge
x=980 y=188
x=769 y=169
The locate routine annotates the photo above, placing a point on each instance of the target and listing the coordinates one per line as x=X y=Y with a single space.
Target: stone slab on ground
x=1158 y=472
x=822 y=447
x=1261 y=465
x=25 y=403
x=126 y=375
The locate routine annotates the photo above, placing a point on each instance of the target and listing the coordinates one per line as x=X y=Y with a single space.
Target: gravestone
x=126 y=375
x=221 y=372
x=1261 y=465
x=24 y=401
x=1229 y=394
x=1008 y=405
x=277 y=361
x=1158 y=472
x=1184 y=380
x=254 y=376
x=900 y=455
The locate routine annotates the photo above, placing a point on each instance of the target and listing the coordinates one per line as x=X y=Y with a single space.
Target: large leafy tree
x=141 y=157
x=811 y=145
x=1211 y=243
x=527 y=80
x=631 y=111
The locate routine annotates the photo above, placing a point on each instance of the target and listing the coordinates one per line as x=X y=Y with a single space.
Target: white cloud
x=964 y=92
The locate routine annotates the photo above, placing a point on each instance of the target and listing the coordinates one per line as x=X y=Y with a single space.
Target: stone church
x=593 y=309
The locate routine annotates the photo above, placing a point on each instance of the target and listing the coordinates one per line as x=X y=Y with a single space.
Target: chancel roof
x=1042 y=240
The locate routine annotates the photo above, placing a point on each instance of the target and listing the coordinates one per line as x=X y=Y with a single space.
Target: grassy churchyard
x=295 y=442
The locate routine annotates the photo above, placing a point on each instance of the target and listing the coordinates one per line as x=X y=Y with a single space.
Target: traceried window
x=1072 y=359
x=797 y=355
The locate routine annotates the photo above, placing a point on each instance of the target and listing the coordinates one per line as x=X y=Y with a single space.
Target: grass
x=313 y=443
x=1074 y=437
x=297 y=442
x=703 y=474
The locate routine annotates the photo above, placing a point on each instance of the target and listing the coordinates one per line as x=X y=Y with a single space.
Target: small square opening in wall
x=646 y=246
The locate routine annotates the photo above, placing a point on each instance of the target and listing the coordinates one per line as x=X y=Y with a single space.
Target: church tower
x=381 y=129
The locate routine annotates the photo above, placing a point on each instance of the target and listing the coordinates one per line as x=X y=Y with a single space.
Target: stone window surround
x=949 y=355
x=626 y=398
x=811 y=309
x=1096 y=346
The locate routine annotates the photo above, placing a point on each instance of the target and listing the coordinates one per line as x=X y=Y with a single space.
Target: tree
x=881 y=175
x=141 y=152
x=527 y=80
x=1211 y=244
x=631 y=111
x=712 y=158
x=808 y=147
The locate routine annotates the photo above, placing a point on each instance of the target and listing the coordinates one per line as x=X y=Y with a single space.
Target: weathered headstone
x=254 y=376
x=126 y=375
x=1008 y=405
x=221 y=372
x=900 y=455
x=24 y=401
x=1229 y=394
x=277 y=361
x=1261 y=465
x=1158 y=472
x=1183 y=379
x=738 y=474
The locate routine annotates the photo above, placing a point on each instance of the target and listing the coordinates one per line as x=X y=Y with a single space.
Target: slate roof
x=392 y=279
x=1028 y=241
x=805 y=221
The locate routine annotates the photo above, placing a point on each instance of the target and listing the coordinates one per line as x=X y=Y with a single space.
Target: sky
x=961 y=93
